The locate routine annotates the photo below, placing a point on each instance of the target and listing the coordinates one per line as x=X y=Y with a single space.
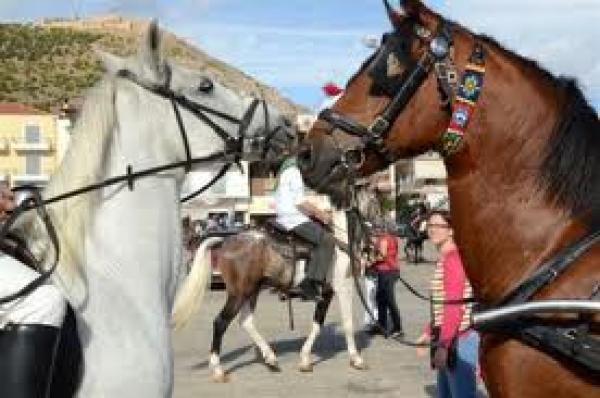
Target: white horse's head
x=169 y=105
x=146 y=113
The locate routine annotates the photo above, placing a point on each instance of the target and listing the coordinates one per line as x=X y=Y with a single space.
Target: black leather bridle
x=231 y=154
x=372 y=136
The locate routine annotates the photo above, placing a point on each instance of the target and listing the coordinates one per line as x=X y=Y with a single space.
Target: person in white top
x=29 y=325
x=296 y=214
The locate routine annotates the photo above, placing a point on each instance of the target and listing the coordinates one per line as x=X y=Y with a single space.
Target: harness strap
x=551 y=269
x=43 y=214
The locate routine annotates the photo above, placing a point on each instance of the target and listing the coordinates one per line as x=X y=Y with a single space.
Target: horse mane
x=82 y=164
x=570 y=168
x=570 y=171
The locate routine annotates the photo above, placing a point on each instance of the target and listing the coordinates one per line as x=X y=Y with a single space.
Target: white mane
x=82 y=165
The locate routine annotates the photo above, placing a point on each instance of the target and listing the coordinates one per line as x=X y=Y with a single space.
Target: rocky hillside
x=45 y=62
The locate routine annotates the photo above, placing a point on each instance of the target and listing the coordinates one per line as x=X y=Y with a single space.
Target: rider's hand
x=423 y=339
x=440 y=358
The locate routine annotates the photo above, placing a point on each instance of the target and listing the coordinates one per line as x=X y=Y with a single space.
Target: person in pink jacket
x=454 y=343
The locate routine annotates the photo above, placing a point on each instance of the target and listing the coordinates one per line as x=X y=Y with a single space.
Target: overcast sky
x=297 y=45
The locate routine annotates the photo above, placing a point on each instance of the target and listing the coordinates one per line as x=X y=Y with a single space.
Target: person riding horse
x=29 y=325
x=296 y=215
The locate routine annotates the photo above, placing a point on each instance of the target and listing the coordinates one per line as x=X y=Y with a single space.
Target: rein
x=231 y=155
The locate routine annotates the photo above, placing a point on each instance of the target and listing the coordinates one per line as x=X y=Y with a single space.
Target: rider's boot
x=27 y=354
x=310 y=289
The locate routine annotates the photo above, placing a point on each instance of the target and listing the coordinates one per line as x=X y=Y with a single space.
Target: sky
x=298 y=45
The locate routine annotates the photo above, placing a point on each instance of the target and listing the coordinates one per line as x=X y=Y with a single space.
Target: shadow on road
x=329 y=344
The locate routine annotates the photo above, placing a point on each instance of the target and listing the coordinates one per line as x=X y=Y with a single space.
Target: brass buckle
x=379 y=126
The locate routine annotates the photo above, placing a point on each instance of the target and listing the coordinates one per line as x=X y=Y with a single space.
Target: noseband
x=436 y=58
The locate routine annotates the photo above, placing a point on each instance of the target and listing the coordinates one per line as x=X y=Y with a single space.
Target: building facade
x=32 y=143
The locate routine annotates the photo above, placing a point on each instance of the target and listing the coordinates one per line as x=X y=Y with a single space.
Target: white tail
x=190 y=294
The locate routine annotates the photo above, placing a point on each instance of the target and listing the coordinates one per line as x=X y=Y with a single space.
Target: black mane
x=570 y=171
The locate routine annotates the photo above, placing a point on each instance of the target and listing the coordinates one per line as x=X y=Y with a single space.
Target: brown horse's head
x=419 y=39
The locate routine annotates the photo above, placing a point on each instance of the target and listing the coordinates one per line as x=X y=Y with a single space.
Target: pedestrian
x=454 y=345
x=29 y=325
x=387 y=271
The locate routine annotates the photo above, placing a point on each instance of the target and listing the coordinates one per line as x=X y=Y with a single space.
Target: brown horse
x=523 y=170
x=253 y=260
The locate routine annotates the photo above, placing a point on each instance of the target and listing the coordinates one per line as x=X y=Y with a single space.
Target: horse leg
x=344 y=291
x=306 y=364
x=247 y=322
x=220 y=324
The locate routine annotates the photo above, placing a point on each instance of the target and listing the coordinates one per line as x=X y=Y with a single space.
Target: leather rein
x=232 y=153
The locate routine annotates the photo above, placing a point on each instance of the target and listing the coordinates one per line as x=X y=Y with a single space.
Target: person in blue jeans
x=460 y=381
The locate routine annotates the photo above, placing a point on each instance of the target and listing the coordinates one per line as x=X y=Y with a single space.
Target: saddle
x=287 y=243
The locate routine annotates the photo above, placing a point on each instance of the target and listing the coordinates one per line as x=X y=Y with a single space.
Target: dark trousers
x=386 y=300
x=322 y=256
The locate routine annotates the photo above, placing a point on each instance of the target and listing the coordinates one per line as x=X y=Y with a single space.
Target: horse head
x=188 y=113
x=390 y=109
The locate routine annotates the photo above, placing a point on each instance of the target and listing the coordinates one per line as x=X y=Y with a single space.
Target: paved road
x=394 y=371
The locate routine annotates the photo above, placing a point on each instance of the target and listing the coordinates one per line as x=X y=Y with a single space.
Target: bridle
x=231 y=154
x=435 y=58
x=233 y=146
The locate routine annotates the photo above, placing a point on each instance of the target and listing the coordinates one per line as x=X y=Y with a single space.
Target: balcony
x=24 y=146
x=30 y=179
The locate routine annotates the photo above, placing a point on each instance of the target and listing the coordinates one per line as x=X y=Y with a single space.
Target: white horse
x=249 y=259
x=120 y=245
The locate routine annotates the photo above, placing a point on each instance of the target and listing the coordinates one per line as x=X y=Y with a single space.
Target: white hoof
x=305 y=365
x=219 y=376
x=356 y=362
x=272 y=364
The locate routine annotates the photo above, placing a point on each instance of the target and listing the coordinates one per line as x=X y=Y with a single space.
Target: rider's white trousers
x=45 y=305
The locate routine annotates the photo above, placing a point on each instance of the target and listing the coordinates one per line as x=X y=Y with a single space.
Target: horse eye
x=206 y=85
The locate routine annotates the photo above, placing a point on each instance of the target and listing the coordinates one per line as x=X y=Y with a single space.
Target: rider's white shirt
x=45 y=305
x=290 y=193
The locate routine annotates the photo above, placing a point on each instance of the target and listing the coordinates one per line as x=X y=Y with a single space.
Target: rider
x=29 y=325
x=295 y=213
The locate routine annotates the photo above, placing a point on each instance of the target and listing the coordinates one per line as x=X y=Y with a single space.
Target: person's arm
x=382 y=248
x=454 y=284
x=313 y=211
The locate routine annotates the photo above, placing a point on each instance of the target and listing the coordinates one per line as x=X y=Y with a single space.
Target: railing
x=43 y=145
x=30 y=178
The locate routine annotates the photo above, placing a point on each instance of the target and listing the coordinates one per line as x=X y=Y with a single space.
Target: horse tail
x=190 y=294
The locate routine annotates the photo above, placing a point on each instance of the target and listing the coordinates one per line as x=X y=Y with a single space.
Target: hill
x=45 y=62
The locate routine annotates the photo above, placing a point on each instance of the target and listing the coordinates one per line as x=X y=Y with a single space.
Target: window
x=32 y=134
x=33 y=164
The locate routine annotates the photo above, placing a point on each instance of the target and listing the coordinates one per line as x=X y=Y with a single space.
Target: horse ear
x=150 y=48
x=112 y=63
x=412 y=7
x=395 y=14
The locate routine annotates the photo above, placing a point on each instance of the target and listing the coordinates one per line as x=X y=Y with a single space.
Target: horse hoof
x=358 y=364
x=220 y=377
x=305 y=367
x=273 y=367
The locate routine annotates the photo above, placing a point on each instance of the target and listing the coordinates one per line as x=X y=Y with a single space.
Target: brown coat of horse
x=523 y=185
